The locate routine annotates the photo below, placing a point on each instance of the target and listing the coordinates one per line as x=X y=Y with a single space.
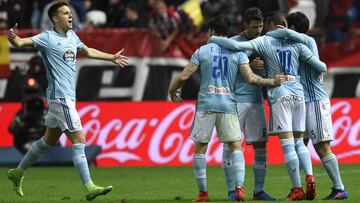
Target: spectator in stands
x=46 y=23
x=3 y=24
x=15 y=13
x=95 y=19
x=165 y=23
x=80 y=8
x=338 y=21
x=115 y=14
x=232 y=9
x=135 y=17
x=35 y=15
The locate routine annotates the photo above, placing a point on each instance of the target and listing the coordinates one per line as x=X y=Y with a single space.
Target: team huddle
x=289 y=61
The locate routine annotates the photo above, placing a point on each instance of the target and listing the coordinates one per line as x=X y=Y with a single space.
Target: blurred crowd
x=329 y=18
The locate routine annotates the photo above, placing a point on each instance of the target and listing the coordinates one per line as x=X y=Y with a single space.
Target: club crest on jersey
x=69 y=56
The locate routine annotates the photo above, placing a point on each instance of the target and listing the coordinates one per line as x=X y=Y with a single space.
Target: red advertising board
x=156 y=133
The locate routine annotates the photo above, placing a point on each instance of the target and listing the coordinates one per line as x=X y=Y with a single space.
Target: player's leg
x=228 y=172
x=52 y=135
x=69 y=121
x=228 y=129
x=320 y=131
x=80 y=162
x=281 y=124
x=256 y=135
x=201 y=133
x=260 y=168
x=331 y=166
x=242 y=111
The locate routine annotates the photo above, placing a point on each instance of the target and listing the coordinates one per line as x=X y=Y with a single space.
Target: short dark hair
x=253 y=13
x=299 y=20
x=53 y=10
x=276 y=17
x=220 y=24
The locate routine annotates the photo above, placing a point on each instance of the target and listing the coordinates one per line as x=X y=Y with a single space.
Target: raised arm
x=96 y=54
x=252 y=78
x=180 y=81
x=289 y=34
x=232 y=44
x=17 y=41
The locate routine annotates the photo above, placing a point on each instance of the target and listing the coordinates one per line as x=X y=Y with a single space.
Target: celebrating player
x=287 y=115
x=318 y=109
x=58 y=48
x=250 y=108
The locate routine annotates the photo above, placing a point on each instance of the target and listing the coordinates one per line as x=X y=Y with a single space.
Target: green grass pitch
x=158 y=184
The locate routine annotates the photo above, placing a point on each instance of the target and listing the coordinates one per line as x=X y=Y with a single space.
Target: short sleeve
x=258 y=44
x=41 y=40
x=79 y=43
x=243 y=59
x=195 y=58
x=305 y=53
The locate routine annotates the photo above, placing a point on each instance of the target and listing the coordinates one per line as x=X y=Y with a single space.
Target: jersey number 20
x=220 y=67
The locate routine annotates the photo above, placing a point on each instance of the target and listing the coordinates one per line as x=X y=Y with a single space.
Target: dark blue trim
x=67 y=114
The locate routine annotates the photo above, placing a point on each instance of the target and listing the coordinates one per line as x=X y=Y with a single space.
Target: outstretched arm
x=180 y=81
x=232 y=44
x=17 y=41
x=289 y=34
x=96 y=54
x=254 y=79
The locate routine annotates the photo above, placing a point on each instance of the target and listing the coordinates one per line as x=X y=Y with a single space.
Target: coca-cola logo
x=168 y=136
x=150 y=139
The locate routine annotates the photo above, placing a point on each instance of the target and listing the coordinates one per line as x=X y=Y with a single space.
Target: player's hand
x=175 y=97
x=11 y=33
x=279 y=79
x=256 y=64
x=120 y=59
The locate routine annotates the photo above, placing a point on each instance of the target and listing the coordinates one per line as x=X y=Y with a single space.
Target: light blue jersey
x=245 y=92
x=311 y=79
x=281 y=56
x=59 y=54
x=218 y=68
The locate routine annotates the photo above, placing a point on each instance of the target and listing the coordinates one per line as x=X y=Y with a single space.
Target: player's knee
x=323 y=149
x=235 y=146
x=200 y=148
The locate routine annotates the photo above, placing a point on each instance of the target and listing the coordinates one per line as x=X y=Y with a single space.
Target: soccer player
x=318 y=109
x=58 y=48
x=216 y=105
x=287 y=106
x=250 y=108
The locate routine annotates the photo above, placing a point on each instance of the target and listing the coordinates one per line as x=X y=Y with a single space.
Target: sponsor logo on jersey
x=218 y=90
x=69 y=56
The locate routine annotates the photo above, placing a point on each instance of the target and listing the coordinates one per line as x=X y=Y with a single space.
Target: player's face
x=254 y=29
x=64 y=18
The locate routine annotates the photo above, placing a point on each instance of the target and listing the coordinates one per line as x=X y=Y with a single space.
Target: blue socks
x=291 y=161
x=259 y=168
x=200 y=171
x=80 y=162
x=35 y=151
x=304 y=156
x=227 y=165
x=332 y=168
x=239 y=168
